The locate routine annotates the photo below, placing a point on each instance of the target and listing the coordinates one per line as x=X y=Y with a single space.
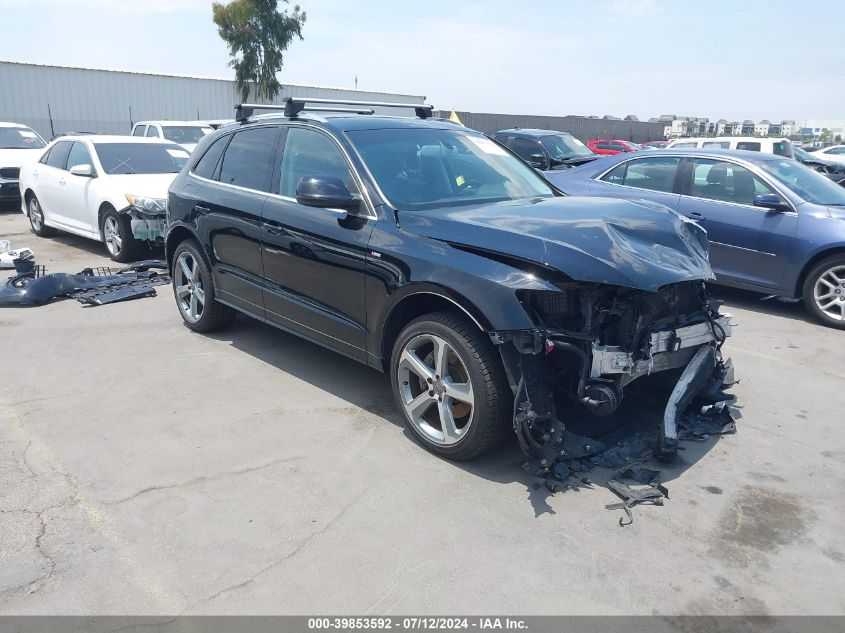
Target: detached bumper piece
x=92 y=286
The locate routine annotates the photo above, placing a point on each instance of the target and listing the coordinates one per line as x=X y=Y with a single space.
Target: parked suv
x=432 y=253
x=545 y=149
x=185 y=133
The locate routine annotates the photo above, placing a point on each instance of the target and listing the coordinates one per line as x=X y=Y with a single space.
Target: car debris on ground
x=31 y=286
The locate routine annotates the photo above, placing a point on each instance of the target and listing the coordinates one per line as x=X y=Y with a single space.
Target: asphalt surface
x=145 y=469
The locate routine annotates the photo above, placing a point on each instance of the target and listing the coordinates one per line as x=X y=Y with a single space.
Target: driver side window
x=311 y=153
x=79 y=155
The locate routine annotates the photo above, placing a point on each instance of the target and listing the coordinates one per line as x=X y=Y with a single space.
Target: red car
x=609 y=147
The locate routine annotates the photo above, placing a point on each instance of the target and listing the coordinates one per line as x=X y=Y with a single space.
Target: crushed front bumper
x=148 y=228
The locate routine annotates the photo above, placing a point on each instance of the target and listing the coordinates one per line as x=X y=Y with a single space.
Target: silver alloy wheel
x=829 y=293
x=112 y=236
x=436 y=390
x=187 y=282
x=36 y=216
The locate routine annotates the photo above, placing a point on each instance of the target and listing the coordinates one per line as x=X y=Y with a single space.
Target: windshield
x=565 y=146
x=809 y=184
x=800 y=154
x=20 y=138
x=427 y=168
x=141 y=158
x=185 y=134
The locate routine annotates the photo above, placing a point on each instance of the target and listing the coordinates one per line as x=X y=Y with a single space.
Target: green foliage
x=257 y=34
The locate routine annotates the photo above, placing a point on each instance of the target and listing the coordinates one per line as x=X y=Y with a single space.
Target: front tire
x=450 y=386
x=193 y=289
x=824 y=291
x=36 y=218
x=116 y=229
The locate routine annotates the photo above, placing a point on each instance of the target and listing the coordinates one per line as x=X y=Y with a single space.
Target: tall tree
x=257 y=34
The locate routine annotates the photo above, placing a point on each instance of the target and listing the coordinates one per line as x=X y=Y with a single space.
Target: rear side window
x=248 y=161
x=58 y=155
x=152 y=131
x=748 y=146
x=208 y=163
x=719 y=144
x=139 y=130
x=681 y=145
x=655 y=174
x=783 y=148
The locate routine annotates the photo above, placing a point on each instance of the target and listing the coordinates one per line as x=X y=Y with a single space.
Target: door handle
x=201 y=209
x=62 y=181
x=696 y=215
x=272 y=228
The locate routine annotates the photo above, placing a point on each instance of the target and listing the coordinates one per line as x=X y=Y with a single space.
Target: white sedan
x=835 y=153
x=112 y=189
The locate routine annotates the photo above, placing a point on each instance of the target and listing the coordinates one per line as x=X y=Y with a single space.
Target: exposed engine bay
x=593 y=344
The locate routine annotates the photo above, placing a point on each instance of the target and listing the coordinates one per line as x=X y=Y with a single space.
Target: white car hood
x=17 y=157
x=146 y=185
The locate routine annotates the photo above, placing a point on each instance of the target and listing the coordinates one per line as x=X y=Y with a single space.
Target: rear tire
x=116 y=229
x=824 y=291
x=461 y=405
x=36 y=218
x=193 y=288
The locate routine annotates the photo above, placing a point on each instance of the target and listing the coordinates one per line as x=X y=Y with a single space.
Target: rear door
x=748 y=244
x=648 y=178
x=236 y=173
x=314 y=261
x=51 y=179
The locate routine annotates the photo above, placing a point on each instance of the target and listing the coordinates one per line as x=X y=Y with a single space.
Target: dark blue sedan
x=774 y=225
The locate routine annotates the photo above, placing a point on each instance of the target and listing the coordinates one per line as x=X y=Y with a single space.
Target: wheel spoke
x=829 y=304
x=419 y=405
x=451 y=434
x=827 y=283
x=411 y=361
x=460 y=391
x=193 y=307
x=181 y=291
x=200 y=294
x=183 y=264
x=195 y=272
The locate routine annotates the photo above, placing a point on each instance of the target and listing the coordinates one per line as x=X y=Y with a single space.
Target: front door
x=80 y=207
x=748 y=244
x=314 y=260
x=649 y=178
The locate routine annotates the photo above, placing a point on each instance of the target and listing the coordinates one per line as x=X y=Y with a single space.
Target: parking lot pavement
x=145 y=469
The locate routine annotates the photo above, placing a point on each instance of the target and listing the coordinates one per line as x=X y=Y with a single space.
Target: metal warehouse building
x=54 y=99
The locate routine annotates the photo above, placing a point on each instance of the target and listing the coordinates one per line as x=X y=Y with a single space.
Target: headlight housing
x=147 y=206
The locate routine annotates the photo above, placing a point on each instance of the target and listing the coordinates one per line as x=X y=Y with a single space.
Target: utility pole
x=356 y=81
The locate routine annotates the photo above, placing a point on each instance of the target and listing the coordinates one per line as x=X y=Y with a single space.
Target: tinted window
x=310 y=153
x=603 y=145
x=782 y=148
x=139 y=130
x=19 y=138
x=141 y=158
x=248 y=161
x=58 y=155
x=79 y=155
x=748 y=146
x=835 y=150
x=43 y=160
x=617 y=147
x=208 y=163
x=187 y=134
x=810 y=185
x=721 y=144
x=717 y=180
x=692 y=144
x=427 y=168
x=655 y=174
x=152 y=131
x=564 y=146
x=524 y=148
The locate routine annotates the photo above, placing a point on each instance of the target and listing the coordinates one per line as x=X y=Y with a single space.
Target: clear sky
x=733 y=59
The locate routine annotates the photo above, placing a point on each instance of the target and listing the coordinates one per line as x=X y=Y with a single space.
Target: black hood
x=636 y=244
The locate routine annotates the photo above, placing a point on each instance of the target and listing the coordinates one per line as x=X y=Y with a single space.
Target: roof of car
x=166 y=123
x=706 y=151
x=529 y=132
x=113 y=138
x=11 y=124
x=348 y=123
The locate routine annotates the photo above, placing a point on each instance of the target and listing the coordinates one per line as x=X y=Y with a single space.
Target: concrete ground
x=145 y=469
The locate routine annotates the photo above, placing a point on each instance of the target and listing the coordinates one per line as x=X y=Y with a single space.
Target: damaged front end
x=596 y=342
x=147 y=218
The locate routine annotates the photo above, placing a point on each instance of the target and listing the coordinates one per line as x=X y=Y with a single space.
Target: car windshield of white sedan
x=141 y=158
x=807 y=183
x=185 y=134
x=428 y=168
x=19 y=138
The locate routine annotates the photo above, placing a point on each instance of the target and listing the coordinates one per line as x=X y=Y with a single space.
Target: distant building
x=631 y=117
x=762 y=128
x=719 y=128
x=747 y=128
x=788 y=128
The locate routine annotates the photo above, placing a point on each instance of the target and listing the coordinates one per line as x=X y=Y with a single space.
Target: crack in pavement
x=290 y=555
x=203 y=479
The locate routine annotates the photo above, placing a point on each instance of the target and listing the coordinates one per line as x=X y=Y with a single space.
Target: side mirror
x=538 y=161
x=771 y=201
x=326 y=192
x=86 y=171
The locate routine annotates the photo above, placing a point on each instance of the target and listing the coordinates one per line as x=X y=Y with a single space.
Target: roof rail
x=294 y=105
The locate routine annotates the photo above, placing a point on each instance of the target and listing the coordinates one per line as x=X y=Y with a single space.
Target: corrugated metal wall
x=581 y=127
x=54 y=99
